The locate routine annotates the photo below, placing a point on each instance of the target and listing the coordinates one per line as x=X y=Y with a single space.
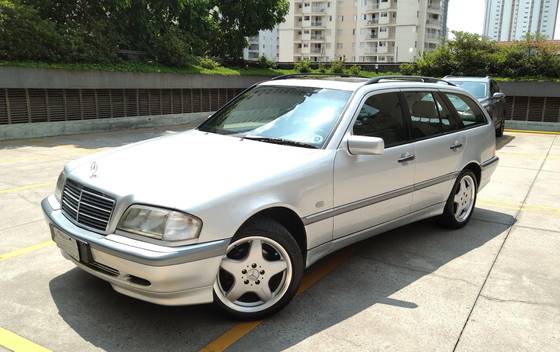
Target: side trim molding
x=489 y=162
x=345 y=208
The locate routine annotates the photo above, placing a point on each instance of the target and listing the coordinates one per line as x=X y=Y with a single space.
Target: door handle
x=456 y=145
x=406 y=157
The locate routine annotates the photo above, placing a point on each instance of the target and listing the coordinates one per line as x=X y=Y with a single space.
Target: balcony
x=433 y=22
x=373 y=22
x=317 y=37
x=314 y=10
x=434 y=5
x=316 y=24
x=385 y=5
x=371 y=37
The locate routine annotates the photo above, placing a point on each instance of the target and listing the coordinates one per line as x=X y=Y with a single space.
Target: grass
x=196 y=69
x=150 y=68
x=155 y=68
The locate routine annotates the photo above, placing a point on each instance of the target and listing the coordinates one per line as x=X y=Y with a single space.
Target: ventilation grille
x=86 y=206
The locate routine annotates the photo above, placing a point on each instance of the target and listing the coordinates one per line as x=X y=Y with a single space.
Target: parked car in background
x=284 y=174
x=488 y=93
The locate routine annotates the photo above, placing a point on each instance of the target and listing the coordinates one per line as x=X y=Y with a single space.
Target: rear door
x=438 y=146
x=373 y=189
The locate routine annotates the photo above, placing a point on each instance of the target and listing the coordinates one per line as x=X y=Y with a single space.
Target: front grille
x=87 y=206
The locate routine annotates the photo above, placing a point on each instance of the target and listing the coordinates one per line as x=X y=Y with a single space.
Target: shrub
x=264 y=62
x=171 y=48
x=323 y=68
x=355 y=70
x=303 y=66
x=337 y=66
x=408 y=69
x=208 y=63
x=24 y=35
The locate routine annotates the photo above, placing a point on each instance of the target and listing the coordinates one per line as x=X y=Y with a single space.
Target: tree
x=234 y=20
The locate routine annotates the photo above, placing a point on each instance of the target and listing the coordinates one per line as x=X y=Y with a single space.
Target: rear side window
x=424 y=115
x=381 y=116
x=468 y=111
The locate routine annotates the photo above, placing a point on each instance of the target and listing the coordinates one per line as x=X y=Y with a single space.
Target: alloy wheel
x=464 y=198
x=254 y=275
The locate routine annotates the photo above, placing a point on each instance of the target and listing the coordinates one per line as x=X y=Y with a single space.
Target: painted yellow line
x=25 y=188
x=25 y=250
x=241 y=329
x=17 y=343
x=516 y=206
x=534 y=132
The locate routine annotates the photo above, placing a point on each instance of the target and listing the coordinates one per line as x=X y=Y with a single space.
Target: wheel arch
x=286 y=217
x=476 y=169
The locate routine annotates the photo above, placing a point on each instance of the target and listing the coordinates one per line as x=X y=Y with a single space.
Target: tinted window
x=447 y=122
x=424 y=114
x=468 y=111
x=381 y=116
x=478 y=89
x=301 y=114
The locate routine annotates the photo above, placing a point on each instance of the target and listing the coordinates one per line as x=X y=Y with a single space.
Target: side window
x=467 y=110
x=381 y=116
x=447 y=121
x=424 y=116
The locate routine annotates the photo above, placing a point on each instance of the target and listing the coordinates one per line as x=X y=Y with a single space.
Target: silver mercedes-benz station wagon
x=289 y=171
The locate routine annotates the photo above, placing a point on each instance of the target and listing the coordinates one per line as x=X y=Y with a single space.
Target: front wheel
x=500 y=130
x=460 y=204
x=261 y=271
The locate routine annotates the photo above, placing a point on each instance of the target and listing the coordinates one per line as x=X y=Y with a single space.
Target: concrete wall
x=531 y=89
x=16 y=77
x=47 y=129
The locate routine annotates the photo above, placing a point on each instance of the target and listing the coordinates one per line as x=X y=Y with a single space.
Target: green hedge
x=470 y=55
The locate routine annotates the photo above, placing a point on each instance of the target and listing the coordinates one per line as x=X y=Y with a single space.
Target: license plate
x=66 y=243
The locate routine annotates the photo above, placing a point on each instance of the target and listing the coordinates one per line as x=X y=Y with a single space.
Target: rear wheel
x=261 y=271
x=460 y=204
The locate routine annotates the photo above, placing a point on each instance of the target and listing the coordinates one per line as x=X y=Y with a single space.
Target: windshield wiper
x=281 y=141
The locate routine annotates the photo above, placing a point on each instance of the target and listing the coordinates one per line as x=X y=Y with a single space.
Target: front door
x=372 y=189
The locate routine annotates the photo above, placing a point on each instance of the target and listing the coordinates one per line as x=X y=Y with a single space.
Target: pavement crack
x=535 y=303
x=517 y=213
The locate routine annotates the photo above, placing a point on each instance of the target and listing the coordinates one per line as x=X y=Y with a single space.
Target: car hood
x=189 y=168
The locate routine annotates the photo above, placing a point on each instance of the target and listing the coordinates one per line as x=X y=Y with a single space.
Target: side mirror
x=499 y=95
x=361 y=145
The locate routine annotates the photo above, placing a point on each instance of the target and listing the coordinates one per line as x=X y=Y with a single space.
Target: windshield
x=478 y=89
x=299 y=114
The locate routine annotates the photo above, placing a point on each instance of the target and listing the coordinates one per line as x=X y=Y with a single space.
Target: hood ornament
x=93 y=168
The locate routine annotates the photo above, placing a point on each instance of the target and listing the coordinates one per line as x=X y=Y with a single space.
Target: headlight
x=162 y=224
x=59 y=186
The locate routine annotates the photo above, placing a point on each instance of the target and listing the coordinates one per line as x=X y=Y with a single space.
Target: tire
x=241 y=285
x=452 y=217
x=500 y=130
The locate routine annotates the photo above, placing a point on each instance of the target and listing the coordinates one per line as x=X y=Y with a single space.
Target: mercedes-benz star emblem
x=93 y=168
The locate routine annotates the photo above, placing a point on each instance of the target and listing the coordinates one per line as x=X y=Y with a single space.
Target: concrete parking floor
x=494 y=285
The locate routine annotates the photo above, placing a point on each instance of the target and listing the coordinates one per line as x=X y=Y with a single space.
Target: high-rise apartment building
x=507 y=20
x=263 y=44
x=361 y=30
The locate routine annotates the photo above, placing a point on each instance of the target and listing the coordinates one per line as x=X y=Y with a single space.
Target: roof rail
x=295 y=75
x=407 y=78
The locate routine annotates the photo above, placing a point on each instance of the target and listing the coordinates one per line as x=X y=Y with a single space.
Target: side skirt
x=320 y=251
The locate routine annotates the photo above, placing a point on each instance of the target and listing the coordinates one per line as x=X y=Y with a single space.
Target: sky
x=468 y=16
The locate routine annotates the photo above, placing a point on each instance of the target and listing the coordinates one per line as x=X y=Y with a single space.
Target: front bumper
x=158 y=274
